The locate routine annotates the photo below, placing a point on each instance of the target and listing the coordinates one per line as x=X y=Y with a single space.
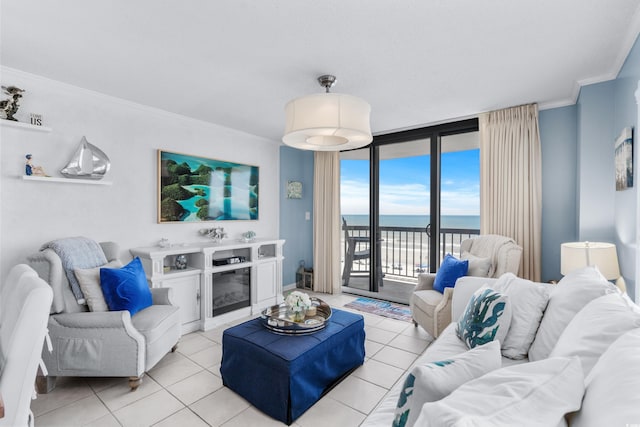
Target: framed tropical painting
x=192 y=188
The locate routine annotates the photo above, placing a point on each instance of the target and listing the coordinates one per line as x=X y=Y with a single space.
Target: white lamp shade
x=327 y=122
x=576 y=255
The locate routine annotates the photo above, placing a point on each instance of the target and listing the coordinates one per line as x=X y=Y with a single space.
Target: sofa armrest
x=464 y=289
x=161 y=296
x=425 y=282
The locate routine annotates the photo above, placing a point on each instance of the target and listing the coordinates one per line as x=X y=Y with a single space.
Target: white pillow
x=486 y=318
x=611 y=396
x=568 y=297
x=595 y=327
x=528 y=394
x=89 y=280
x=528 y=301
x=478 y=266
x=433 y=381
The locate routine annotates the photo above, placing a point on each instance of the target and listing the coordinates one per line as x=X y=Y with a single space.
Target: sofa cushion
x=611 y=395
x=529 y=394
x=450 y=270
x=89 y=280
x=432 y=381
x=486 y=318
x=595 y=328
x=126 y=288
x=568 y=297
x=478 y=266
x=528 y=301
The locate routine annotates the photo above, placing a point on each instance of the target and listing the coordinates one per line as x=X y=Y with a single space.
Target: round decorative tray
x=277 y=319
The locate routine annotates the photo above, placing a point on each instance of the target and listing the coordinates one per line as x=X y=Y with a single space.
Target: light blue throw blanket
x=77 y=252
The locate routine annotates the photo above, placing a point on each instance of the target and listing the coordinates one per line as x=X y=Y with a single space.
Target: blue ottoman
x=284 y=375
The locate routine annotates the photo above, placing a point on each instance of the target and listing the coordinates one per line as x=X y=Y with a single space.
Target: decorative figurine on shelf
x=9 y=107
x=88 y=162
x=31 y=170
x=248 y=236
x=216 y=233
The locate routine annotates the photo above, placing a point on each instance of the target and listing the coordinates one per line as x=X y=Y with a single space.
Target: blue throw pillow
x=450 y=270
x=126 y=288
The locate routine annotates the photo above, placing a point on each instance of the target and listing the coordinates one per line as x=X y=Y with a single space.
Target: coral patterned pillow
x=487 y=318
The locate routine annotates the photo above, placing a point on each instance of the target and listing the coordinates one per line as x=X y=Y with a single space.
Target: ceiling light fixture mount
x=327 y=121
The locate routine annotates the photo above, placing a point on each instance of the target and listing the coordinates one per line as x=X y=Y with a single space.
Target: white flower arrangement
x=298 y=301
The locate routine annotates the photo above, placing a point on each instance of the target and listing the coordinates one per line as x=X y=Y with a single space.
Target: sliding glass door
x=419 y=191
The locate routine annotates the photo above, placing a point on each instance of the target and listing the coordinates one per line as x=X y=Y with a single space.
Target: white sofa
x=584 y=318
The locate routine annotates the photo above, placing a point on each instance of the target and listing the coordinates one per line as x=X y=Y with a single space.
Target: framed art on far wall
x=192 y=189
x=624 y=159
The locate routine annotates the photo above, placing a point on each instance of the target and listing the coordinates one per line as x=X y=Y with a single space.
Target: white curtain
x=510 y=181
x=326 y=222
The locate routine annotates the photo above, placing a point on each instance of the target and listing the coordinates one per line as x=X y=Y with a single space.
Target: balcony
x=404 y=254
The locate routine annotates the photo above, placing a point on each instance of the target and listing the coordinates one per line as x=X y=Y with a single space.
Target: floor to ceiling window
x=419 y=191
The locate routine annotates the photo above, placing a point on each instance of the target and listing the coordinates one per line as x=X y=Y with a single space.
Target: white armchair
x=24 y=310
x=103 y=344
x=489 y=255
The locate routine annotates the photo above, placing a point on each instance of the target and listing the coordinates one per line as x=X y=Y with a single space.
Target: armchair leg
x=45 y=384
x=174 y=348
x=415 y=324
x=134 y=382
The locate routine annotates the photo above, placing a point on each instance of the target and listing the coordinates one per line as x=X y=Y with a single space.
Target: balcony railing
x=404 y=251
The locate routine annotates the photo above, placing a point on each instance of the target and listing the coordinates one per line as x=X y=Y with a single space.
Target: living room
x=579 y=200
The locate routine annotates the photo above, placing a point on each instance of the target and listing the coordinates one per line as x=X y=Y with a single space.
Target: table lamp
x=574 y=255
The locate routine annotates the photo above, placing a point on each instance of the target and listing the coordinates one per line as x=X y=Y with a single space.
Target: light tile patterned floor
x=185 y=388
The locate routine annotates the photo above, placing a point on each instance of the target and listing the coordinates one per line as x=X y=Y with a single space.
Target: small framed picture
x=294 y=190
x=624 y=159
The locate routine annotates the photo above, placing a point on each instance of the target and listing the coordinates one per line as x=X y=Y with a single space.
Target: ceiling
x=237 y=62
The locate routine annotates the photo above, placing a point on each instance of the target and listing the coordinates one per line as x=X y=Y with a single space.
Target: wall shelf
x=65 y=180
x=25 y=126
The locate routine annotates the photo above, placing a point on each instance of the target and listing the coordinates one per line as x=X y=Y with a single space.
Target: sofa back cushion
x=528 y=394
x=568 y=297
x=432 y=381
x=528 y=301
x=595 y=328
x=611 y=396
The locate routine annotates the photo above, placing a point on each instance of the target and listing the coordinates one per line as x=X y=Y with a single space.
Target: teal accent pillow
x=126 y=288
x=433 y=381
x=450 y=270
x=486 y=318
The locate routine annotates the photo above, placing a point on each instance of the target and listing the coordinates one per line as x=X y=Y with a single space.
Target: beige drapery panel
x=326 y=222
x=511 y=181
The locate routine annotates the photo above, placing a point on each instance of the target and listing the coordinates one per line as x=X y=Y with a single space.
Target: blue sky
x=404 y=185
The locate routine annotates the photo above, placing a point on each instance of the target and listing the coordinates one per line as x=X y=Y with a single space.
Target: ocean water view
x=448 y=221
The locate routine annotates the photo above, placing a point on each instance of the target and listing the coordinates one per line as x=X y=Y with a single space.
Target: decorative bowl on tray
x=279 y=319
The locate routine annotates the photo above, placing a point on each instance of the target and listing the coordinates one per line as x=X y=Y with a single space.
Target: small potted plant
x=297 y=304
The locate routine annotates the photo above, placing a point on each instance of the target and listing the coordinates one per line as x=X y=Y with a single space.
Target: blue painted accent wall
x=596 y=171
x=296 y=165
x=626 y=202
x=558 y=140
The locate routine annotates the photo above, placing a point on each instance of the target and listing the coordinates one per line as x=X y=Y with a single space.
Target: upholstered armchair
x=24 y=309
x=489 y=255
x=103 y=343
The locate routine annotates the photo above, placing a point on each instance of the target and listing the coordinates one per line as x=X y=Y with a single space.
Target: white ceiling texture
x=237 y=62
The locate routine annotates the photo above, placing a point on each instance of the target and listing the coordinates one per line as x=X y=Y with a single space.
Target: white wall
x=32 y=213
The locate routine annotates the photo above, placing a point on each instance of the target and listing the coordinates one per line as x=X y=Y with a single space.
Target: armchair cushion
x=450 y=270
x=89 y=280
x=126 y=288
x=478 y=266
